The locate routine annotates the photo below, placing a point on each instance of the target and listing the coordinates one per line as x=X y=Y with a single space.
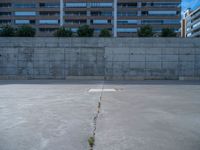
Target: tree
x=7 y=31
x=105 y=33
x=85 y=31
x=166 y=32
x=145 y=31
x=63 y=32
x=26 y=31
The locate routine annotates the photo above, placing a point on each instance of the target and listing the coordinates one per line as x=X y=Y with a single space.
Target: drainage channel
x=91 y=140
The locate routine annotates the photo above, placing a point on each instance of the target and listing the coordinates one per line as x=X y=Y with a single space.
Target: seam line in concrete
x=97 y=114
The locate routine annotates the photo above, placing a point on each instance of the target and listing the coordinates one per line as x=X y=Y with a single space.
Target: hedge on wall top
x=63 y=32
x=26 y=31
x=145 y=31
x=166 y=32
x=105 y=33
x=7 y=31
x=85 y=31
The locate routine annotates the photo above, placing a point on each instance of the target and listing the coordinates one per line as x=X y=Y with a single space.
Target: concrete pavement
x=140 y=115
x=150 y=116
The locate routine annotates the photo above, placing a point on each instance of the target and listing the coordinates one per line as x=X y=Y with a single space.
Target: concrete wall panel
x=112 y=58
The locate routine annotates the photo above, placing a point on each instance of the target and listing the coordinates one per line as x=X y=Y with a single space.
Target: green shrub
x=91 y=141
x=26 y=31
x=63 y=32
x=168 y=33
x=7 y=30
x=145 y=31
x=105 y=33
x=85 y=31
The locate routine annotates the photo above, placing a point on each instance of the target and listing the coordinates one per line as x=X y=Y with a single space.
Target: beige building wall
x=131 y=15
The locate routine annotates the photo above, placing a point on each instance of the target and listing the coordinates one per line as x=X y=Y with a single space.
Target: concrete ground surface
x=140 y=115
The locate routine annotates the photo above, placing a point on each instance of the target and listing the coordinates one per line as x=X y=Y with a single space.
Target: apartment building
x=191 y=23
x=121 y=17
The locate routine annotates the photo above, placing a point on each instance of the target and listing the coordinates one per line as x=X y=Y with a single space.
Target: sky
x=190 y=4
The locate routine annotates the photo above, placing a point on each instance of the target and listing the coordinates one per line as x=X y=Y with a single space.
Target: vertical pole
x=61 y=12
x=115 y=19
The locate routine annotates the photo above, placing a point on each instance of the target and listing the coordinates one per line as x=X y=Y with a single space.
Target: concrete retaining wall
x=112 y=58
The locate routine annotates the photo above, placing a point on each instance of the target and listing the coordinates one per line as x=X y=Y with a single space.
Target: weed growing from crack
x=91 y=141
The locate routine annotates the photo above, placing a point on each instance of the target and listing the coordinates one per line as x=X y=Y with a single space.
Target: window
x=5 y=13
x=171 y=21
x=126 y=29
x=5 y=21
x=100 y=21
x=127 y=5
x=160 y=4
x=196 y=16
x=196 y=30
x=49 y=13
x=25 y=13
x=76 y=5
x=24 y=5
x=127 y=21
x=158 y=13
x=48 y=21
x=24 y=21
x=100 y=4
x=76 y=21
x=75 y=13
x=80 y=5
x=152 y=22
x=196 y=25
x=50 y=5
x=160 y=22
x=5 y=5
x=144 y=13
x=132 y=13
x=100 y=13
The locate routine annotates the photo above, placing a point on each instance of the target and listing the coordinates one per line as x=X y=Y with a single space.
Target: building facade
x=191 y=23
x=121 y=17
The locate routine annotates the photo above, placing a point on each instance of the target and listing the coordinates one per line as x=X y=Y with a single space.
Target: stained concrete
x=139 y=115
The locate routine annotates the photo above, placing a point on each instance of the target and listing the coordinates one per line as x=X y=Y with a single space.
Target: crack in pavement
x=96 y=116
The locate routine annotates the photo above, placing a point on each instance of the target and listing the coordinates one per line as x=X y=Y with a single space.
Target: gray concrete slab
x=46 y=115
x=150 y=116
x=58 y=115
